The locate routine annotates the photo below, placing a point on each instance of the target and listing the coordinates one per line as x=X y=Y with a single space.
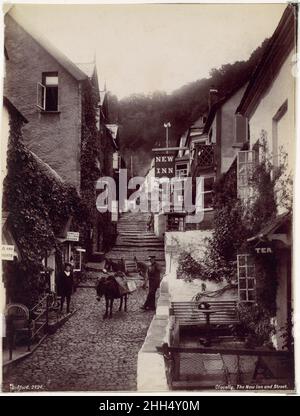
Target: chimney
x=213 y=96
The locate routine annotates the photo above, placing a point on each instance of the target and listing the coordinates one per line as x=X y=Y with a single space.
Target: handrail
x=39 y=302
x=30 y=323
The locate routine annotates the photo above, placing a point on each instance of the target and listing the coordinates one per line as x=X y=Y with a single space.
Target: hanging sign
x=164 y=165
x=72 y=236
x=7 y=252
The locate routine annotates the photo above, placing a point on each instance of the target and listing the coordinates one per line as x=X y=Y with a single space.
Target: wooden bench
x=187 y=313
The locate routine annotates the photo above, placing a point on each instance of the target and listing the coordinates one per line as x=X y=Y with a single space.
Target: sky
x=151 y=47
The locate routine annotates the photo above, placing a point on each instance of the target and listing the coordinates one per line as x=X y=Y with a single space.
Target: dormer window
x=47 y=92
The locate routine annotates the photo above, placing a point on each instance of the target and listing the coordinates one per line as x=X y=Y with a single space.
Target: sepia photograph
x=148 y=156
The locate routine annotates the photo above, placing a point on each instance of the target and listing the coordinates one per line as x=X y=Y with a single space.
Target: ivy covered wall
x=39 y=206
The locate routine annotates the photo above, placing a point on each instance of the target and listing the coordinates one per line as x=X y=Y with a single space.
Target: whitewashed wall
x=282 y=89
x=195 y=243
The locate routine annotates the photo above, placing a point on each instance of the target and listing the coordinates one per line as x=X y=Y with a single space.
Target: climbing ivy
x=94 y=145
x=235 y=222
x=38 y=206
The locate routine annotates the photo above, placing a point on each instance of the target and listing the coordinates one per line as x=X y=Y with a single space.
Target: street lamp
x=167 y=126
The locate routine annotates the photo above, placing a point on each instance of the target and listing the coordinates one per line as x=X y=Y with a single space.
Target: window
x=175 y=223
x=240 y=130
x=208 y=193
x=181 y=170
x=47 y=92
x=246 y=278
x=246 y=162
x=76 y=255
x=280 y=134
x=114 y=209
x=98 y=112
x=116 y=160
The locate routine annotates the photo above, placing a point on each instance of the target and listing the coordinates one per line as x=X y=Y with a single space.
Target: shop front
x=272 y=251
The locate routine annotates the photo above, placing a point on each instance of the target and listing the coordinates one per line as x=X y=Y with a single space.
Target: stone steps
x=134 y=239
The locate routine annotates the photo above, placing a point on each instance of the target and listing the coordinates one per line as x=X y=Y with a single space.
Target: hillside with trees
x=141 y=117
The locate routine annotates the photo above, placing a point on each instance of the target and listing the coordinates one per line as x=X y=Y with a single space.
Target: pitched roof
x=46 y=169
x=102 y=97
x=219 y=104
x=276 y=52
x=87 y=67
x=12 y=109
x=63 y=60
x=272 y=226
x=113 y=128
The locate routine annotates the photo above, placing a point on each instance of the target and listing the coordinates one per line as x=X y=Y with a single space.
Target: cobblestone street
x=87 y=353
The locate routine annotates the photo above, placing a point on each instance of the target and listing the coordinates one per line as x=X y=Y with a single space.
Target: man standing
x=154 y=282
x=66 y=286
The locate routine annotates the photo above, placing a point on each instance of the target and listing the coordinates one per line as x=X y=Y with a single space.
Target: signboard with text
x=7 y=252
x=164 y=165
x=263 y=248
x=72 y=236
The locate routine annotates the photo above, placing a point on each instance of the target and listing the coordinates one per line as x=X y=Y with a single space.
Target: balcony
x=203 y=157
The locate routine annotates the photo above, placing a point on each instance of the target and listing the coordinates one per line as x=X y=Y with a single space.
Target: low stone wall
x=151 y=372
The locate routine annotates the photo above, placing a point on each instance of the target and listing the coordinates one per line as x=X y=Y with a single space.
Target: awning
x=277 y=229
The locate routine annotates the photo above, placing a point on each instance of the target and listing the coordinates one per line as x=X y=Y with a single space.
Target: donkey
x=113 y=266
x=109 y=288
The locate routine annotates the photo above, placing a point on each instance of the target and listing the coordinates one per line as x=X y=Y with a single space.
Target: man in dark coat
x=65 y=280
x=154 y=282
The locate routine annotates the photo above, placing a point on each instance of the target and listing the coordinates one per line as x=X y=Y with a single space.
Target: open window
x=246 y=278
x=47 y=92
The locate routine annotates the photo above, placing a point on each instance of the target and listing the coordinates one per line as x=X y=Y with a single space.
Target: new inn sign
x=164 y=166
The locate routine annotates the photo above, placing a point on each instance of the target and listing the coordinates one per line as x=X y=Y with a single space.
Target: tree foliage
x=141 y=116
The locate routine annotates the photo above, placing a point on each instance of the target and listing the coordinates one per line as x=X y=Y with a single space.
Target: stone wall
x=151 y=371
x=54 y=137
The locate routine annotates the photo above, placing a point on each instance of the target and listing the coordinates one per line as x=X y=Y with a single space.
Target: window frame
x=247 y=277
x=42 y=97
x=249 y=165
x=208 y=192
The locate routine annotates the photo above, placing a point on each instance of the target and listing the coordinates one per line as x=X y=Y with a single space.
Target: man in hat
x=154 y=282
x=66 y=286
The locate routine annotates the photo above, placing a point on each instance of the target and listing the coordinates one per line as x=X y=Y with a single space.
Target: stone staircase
x=134 y=239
